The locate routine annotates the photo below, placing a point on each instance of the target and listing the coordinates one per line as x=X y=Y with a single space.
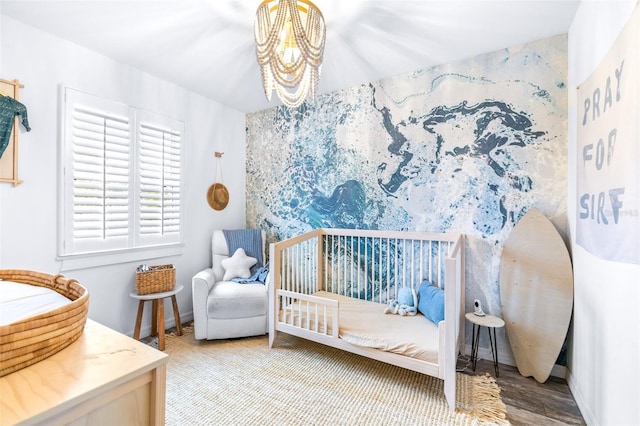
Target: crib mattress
x=19 y=301
x=364 y=323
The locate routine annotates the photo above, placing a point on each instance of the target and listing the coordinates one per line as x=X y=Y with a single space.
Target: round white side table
x=491 y=322
x=157 y=314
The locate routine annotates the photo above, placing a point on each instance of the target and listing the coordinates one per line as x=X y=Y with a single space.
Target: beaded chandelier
x=290 y=36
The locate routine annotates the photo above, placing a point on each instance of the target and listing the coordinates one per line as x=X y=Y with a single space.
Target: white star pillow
x=238 y=266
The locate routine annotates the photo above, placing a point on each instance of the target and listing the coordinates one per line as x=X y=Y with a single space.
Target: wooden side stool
x=491 y=322
x=157 y=314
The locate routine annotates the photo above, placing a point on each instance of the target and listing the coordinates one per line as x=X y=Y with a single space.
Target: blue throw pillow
x=431 y=302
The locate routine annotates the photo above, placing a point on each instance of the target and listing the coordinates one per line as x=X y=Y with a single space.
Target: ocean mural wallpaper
x=463 y=147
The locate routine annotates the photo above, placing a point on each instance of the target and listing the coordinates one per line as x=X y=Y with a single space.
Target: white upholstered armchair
x=223 y=308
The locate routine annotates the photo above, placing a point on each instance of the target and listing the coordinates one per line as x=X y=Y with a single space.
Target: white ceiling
x=207 y=45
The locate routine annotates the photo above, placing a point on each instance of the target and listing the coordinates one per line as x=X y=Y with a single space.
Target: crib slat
x=388 y=277
x=324 y=328
x=439 y=264
x=303 y=269
x=352 y=268
x=315 y=316
x=333 y=261
x=308 y=317
x=380 y=274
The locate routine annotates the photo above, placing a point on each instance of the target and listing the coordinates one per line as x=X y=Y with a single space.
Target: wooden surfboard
x=536 y=293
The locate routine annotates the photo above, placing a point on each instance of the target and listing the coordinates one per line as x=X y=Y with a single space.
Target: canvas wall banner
x=608 y=158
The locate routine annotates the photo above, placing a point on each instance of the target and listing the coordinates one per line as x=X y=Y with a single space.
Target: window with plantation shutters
x=122 y=177
x=160 y=177
x=100 y=174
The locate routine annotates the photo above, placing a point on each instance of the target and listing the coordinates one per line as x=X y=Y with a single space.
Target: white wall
x=603 y=365
x=28 y=213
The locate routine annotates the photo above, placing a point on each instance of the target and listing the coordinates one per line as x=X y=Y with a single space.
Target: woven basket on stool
x=157 y=279
x=33 y=339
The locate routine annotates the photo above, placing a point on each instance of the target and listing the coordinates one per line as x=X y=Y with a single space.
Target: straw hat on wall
x=218 y=196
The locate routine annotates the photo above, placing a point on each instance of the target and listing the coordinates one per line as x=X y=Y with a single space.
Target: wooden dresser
x=104 y=378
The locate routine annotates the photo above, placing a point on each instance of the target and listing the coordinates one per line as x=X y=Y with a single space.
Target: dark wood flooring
x=529 y=402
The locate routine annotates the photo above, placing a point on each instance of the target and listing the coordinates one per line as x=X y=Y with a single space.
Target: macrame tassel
x=483 y=395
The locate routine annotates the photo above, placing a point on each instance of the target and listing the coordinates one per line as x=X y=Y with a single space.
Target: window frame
x=75 y=253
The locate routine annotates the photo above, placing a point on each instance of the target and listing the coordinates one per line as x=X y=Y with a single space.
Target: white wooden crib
x=331 y=286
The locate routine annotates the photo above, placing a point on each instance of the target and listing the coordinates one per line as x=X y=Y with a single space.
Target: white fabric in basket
x=19 y=301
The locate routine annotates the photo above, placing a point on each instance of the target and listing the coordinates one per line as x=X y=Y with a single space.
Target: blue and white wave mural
x=465 y=147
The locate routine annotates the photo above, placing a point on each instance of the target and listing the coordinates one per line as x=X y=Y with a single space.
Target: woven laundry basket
x=33 y=339
x=157 y=279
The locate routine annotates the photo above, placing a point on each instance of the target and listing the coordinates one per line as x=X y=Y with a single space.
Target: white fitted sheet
x=19 y=301
x=364 y=323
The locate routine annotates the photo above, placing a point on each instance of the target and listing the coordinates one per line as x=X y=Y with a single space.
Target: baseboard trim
x=507 y=358
x=586 y=412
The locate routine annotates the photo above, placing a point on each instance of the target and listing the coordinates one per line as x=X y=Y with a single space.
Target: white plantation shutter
x=121 y=178
x=160 y=178
x=100 y=174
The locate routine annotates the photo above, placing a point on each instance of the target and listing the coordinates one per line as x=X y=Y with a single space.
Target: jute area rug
x=298 y=382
